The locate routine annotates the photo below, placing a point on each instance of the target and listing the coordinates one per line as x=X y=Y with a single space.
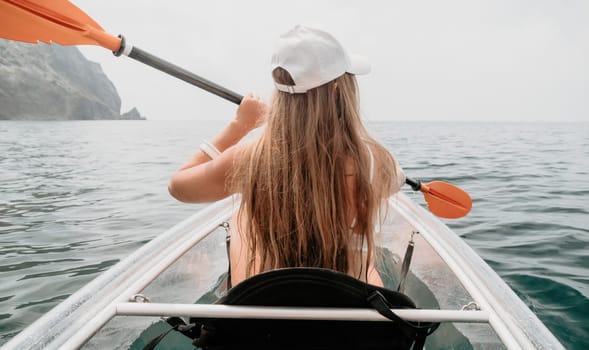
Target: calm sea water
x=76 y=197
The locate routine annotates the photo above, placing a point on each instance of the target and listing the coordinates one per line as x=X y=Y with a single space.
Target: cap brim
x=359 y=65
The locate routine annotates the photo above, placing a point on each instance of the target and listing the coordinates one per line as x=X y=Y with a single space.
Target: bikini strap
x=371 y=162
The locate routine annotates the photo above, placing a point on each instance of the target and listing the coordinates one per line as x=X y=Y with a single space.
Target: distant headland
x=52 y=82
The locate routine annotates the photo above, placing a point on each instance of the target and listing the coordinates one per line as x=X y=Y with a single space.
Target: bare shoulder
x=389 y=175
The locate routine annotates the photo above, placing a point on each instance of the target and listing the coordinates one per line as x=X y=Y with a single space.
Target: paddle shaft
x=415 y=184
x=176 y=71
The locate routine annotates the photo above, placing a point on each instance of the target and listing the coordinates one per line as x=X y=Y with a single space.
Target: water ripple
x=51 y=300
x=31 y=264
x=76 y=271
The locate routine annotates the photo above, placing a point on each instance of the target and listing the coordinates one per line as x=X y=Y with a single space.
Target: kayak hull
x=188 y=263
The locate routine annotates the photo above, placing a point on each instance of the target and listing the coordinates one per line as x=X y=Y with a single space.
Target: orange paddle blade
x=446 y=200
x=57 y=21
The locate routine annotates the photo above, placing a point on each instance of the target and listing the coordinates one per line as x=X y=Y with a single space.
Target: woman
x=312 y=184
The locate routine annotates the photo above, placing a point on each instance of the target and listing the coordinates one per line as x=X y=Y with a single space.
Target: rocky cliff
x=52 y=82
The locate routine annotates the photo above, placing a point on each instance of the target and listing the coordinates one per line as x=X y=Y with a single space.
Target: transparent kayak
x=447 y=280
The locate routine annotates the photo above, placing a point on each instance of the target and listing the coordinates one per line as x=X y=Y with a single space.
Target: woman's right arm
x=203 y=179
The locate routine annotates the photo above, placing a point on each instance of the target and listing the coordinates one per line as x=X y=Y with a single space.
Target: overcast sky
x=495 y=60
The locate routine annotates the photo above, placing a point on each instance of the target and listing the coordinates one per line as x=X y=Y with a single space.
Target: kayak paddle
x=61 y=22
x=443 y=199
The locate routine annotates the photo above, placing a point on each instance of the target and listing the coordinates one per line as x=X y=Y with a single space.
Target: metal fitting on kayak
x=139 y=298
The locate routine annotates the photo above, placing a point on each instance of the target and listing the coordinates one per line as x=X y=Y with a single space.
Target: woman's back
x=303 y=246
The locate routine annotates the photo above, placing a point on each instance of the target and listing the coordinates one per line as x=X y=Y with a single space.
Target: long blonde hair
x=293 y=181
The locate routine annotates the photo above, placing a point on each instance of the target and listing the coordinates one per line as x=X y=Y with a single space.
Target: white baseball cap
x=313 y=57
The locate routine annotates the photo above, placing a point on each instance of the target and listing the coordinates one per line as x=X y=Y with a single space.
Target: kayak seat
x=310 y=287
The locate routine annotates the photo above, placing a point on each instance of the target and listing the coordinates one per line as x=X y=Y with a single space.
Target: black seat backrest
x=311 y=287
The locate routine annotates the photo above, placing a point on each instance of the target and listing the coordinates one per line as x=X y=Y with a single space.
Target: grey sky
x=495 y=60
